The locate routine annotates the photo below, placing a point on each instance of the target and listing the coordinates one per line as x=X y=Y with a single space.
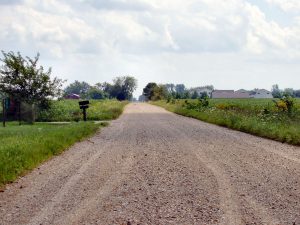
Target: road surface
x=154 y=167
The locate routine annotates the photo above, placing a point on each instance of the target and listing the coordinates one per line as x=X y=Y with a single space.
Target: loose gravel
x=151 y=166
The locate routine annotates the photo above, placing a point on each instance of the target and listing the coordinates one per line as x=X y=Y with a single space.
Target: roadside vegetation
x=68 y=110
x=277 y=119
x=27 y=93
x=24 y=147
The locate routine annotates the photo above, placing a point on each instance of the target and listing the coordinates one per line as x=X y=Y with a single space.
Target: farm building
x=261 y=93
x=72 y=96
x=206 y=89
x=229 y=94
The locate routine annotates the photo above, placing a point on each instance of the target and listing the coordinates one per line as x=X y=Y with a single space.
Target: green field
x=68 y=110
x=255 y=116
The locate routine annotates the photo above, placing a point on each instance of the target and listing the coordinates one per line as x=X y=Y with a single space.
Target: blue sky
x=231 y=44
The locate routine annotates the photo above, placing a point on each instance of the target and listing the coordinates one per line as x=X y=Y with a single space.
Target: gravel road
x=151 y=166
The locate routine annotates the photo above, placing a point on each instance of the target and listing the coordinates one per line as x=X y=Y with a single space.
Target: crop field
x=256 y=116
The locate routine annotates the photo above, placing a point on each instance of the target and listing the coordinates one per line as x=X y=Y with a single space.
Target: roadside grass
x=24 y=147
x=254 y=116
x=68 y=110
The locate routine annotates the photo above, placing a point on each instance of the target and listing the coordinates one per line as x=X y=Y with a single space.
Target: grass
x=68 y=110
x=24 y=147
x=256 y=116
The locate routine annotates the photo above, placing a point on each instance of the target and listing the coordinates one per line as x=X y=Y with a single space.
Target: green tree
x=11 y=75
x=195 y=95
x=186 y=95
x=26 y=81
x=276 y=92
x=297 y=93
x=95 y=93
x=79 y=88
x=148 y=91
x=289 y=92
x=180 y=88
x=159 y=93
x=123 y=88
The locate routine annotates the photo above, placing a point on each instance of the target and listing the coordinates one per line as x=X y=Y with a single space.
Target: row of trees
x=154 y=92
x=30 y=86
x=279 y=93
x=122 y=88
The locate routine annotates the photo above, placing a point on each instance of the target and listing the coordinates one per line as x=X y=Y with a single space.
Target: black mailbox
x=84 y=105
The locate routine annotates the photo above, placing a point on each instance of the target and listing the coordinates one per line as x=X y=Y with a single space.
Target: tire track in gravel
x=154 y=167
x=228 y=199
x=240 y=145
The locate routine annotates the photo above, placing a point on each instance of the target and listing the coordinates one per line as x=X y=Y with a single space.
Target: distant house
x=206 y=89
x=230 y=94
x=261 y=93
x=72 y=96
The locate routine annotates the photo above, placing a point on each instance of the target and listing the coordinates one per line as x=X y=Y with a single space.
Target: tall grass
x=68 y=110
x=255 y=116
x=24 y=147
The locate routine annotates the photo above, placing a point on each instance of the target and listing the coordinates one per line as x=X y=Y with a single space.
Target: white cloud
x=287 y=5
x=155 y=38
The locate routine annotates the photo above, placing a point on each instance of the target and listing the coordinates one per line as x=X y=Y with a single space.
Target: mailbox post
x=84 y=105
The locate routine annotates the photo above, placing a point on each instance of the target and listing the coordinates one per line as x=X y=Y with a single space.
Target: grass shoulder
x=254 y=116
x=25 y=147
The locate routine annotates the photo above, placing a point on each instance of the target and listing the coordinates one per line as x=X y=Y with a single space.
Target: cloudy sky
x=231 y=44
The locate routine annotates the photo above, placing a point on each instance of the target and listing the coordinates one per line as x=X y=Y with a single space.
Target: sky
x=230 y=44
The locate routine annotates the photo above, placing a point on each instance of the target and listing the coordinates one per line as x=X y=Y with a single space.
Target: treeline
x=122 y=88
x=26 y=87
x=279 y=93
x=155 y=92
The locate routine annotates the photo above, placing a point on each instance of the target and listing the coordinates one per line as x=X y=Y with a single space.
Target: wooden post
x=19 y=112
x=4 y=111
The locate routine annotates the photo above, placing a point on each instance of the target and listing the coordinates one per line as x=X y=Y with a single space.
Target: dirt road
x=154 y=167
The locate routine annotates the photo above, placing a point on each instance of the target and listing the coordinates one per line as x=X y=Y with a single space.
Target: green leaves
x=26 y=81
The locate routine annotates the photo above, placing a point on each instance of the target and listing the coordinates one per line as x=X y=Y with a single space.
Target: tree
x=203 y=95
x=159 y=92
x=297 y=93
x=79 y=88
x=148 y=91
x=276 y=92
x=95 y=93
x=289 y=92
x=180 y=88
x=11 y=75
x=186 y=95
x=195 y=95
x=26 y=81
x=170 y=88
x=123 y=88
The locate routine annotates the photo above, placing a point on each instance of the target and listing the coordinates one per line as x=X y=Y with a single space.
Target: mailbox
x=84 y=105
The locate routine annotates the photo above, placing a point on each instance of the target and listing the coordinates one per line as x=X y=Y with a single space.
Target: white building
x=261 y=93
x=207 y=89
